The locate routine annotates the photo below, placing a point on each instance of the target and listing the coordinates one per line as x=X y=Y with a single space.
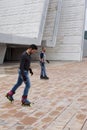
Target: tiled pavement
x=60 y=103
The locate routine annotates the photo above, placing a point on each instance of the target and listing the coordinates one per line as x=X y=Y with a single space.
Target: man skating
x=43 y=74
x=23 y=75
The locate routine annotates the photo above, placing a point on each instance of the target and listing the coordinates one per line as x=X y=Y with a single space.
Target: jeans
x=43 y=69
x=20 y=81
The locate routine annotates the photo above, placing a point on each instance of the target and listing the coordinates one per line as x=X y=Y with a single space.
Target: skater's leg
x=26 y=90
x=19 y=82
x=42 y=71
x=27 y=85
x=9 y=95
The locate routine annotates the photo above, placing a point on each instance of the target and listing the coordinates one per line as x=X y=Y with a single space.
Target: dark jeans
x=20 y=81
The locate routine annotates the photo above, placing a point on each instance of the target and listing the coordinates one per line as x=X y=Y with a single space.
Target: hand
x=24 y=78
x=31 y=72
x=48 y=61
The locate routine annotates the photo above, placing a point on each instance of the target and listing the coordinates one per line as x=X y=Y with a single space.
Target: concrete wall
x=21 y=17
x=85 y=48
x=2 y=52
x=69 y=45
x=22 y=21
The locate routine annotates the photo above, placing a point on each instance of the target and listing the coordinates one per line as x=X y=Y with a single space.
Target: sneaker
x=46 y=77
x=9 y=97
x=41 y=77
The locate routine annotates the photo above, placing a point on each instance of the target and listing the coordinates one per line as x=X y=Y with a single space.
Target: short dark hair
x=33 y=46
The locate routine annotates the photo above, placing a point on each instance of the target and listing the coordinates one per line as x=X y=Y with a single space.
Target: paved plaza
x=60 y=103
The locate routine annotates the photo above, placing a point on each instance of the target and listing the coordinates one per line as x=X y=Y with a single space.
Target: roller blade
x=9 y=97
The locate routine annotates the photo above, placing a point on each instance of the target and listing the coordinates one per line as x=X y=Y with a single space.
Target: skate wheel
x=30 y=105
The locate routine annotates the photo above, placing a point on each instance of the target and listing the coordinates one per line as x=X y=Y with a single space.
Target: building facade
x=56 y=24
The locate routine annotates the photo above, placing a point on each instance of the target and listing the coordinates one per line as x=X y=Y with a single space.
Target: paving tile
x=28 y=120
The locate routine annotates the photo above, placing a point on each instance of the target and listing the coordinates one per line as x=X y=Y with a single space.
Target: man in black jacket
x=23 y=75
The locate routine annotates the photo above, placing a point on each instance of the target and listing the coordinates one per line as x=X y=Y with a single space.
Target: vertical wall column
x=2 y=52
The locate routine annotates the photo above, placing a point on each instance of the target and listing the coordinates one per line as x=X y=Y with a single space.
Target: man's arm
x=22 y=67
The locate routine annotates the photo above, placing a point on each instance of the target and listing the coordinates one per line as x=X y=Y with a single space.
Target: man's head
x=32 y=49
